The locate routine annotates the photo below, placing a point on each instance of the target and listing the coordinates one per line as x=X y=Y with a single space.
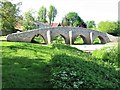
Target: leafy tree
x=9 y=14
x=65 y=22
x=77 y=22
x=72 y=19
x=118 y=30
x=110 y=27
x=42 y=14
x=52 y=13
x=91 y=24
x=28 y=21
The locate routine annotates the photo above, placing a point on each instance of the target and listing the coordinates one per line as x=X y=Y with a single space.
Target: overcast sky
x=97 y=10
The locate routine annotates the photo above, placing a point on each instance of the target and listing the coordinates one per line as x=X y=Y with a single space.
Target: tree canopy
x=9 y=14
x=110 y=27
x=42 y=14
x=28 y=21
x=91 y=24
x=52 y=13
x=72 y=19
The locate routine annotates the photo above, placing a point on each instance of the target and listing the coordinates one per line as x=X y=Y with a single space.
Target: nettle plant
x=64 y=73
x=72 y=72
x=66 y=79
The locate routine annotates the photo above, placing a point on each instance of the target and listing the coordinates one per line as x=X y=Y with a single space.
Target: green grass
x=2 y=37
x=60 y=40
x=97 y=41
x=38 y=39
x=78 y=40
x=27 y=65
x=75 y=72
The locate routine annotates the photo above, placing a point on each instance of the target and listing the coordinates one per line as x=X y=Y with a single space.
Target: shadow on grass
x=22 y=72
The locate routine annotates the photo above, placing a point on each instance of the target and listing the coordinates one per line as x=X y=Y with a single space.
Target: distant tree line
x=29 y=19
x=110 y=27
x=10 y=16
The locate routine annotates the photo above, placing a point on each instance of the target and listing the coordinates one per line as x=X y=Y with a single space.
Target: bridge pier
x=70 y=37
x=49 y=37
x=91 y=38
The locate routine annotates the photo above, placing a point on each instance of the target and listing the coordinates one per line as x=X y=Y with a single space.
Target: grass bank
x=26 y=65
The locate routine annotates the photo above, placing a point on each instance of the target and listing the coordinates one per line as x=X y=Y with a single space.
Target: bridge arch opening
x=38 y=39
x=80 y=40
x=59 y=39
x=99 y=40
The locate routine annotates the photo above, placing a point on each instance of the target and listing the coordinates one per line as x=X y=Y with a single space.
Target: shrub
x=107 y=54
x=109 y=27
x=72 y=72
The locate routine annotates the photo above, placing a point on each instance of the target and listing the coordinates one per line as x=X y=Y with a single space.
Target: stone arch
x=82 y=37
x=102 y=40
x=58 y=37
x=38 y=38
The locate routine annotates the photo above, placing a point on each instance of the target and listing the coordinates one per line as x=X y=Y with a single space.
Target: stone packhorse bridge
x=68 y=33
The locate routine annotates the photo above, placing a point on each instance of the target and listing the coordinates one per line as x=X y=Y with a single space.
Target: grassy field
x=26 y=62
x=2 y=37
x=26 y=65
